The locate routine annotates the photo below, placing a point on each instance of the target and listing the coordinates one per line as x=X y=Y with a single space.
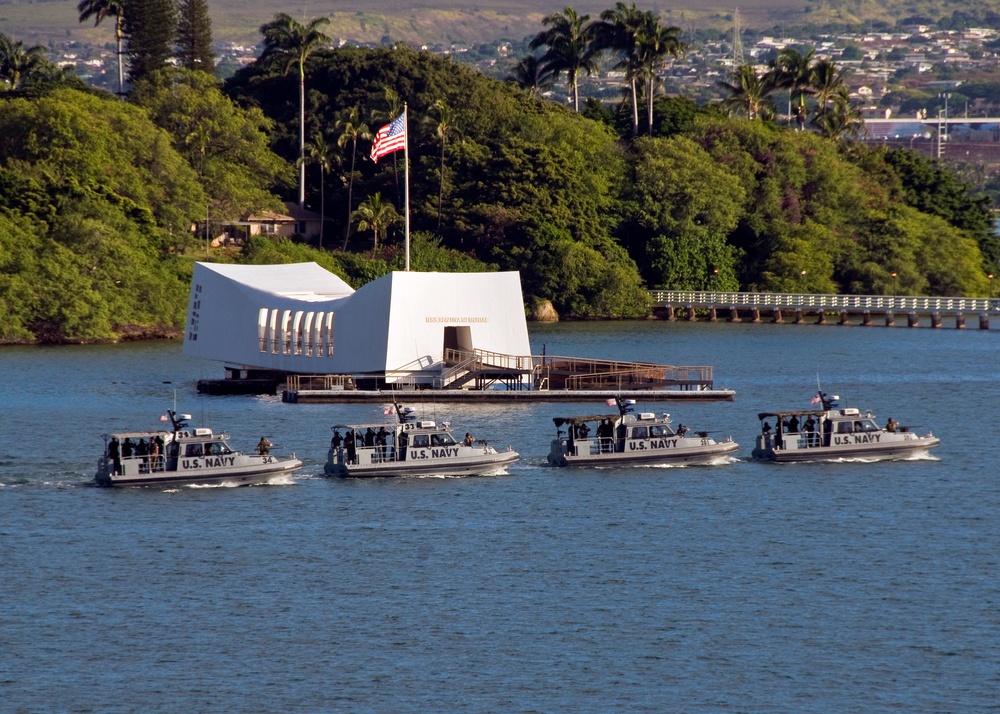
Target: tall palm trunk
x=322 y=203
x=635 y=107
x=302 y=137
x=119 y=36
x=441 y=187
x=649 y=103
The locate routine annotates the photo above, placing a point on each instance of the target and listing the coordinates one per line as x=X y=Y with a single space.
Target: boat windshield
x=217 y=448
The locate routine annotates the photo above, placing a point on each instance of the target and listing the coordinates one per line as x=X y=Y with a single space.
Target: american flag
x=611 y=401
x=815 y=400
x=391 y=137
x=387 y=410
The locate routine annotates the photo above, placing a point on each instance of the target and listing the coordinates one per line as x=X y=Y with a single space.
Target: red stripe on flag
x=390 y=138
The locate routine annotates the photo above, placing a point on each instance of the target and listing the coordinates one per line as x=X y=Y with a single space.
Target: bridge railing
x=809 y=301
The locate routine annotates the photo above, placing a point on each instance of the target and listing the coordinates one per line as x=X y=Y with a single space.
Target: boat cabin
x=816 y=427
x=365 y=444
x=615 y=433
x=149 y=452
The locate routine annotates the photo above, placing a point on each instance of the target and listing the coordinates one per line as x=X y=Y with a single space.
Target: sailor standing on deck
x=810 y=427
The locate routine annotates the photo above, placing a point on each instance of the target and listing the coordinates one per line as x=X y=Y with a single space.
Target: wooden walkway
x=800 y=308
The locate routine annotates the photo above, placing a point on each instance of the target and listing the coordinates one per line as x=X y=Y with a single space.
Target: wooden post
x=935 y=320
x=984 y=321
x=844 y=319
x=959 y=321
x=822 y=318
x=670 y=313
x=912 y=320
x=756 y=314
x=712 y=317
x=776 y=316
x=890 y=319
x=798 y=316
x=691 y=316
x=734 y=314
x=867 y=318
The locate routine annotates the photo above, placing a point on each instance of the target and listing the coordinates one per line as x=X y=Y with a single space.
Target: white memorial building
x=303 y=319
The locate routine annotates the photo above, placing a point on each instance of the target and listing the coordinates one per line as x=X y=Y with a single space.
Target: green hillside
x=98 y=196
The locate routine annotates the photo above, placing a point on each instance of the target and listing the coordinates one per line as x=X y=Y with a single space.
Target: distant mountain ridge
x=436 y=22
x=415 y=22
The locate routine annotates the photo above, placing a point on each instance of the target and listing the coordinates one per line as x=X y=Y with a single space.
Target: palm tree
x=442 y=122
x=289 y=41
x=826 y=82
x=18 y=64
x=351 y=129
x=530 y=74
x=376 y=215
x=200 y=137
x=793 y=70
x=569 y=48
x=653 y=43
x=617 y=32
x=100 y=9
x=321 y=154
x=749 y=93
x=842 y=120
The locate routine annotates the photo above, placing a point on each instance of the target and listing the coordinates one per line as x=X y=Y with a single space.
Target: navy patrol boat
x=630 y=439
x=832 y=432
x=410 y=447
x=184 y=456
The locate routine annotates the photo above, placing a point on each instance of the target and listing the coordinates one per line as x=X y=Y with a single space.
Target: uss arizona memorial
x=302 y=319
x=461 y=332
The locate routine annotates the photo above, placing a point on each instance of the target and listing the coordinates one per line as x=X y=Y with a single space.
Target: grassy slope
x=429 y=21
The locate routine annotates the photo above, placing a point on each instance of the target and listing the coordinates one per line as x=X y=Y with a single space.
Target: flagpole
x=406 y=180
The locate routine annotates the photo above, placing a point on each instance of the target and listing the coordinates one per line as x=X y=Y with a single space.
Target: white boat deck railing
x=807 y=301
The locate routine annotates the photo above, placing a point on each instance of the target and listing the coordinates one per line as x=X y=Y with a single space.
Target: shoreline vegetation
x=105 y=202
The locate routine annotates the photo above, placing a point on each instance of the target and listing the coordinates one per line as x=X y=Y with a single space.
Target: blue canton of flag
x=391 y=137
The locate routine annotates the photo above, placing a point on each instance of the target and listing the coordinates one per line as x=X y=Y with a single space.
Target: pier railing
x=807 y=301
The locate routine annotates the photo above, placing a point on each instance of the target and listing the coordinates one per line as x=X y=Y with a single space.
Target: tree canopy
x=98 y=197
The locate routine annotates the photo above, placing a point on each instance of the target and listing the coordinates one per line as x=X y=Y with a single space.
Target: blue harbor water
x=747 y=587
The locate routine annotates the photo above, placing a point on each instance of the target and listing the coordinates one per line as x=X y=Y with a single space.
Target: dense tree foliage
x=94 y=201
x=98 y=197
x=226 y=145
x=524 y=179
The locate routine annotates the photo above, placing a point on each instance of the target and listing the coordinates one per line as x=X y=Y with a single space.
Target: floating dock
x=483 y=376
x=496 y=396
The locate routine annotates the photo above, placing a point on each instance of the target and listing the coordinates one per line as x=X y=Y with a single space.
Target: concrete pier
x=795 y=307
